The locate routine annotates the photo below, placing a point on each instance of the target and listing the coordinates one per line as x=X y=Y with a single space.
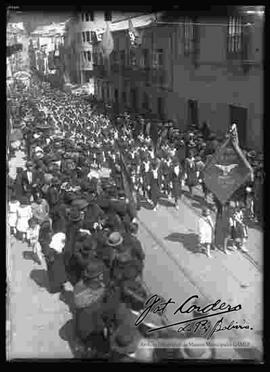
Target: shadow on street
x=40 y=278
x=67 y=298
x=67 y=333
x=166 y=203
x=189 y=241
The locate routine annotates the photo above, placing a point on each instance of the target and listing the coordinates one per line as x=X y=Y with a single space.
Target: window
x=87 y=17
x=92 y=16
x=122 y=57
x=89 y=55
x=88 y=36
x=85 y=56
x=83 y=36
x=145 y=58
x=158 y=58
x=235 y=33
x=132 y=57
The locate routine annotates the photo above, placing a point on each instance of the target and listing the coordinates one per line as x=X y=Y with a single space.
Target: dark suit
x=28 y=182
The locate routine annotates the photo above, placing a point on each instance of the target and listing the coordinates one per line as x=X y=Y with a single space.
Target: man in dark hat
x=29 y=178
x=89 y=293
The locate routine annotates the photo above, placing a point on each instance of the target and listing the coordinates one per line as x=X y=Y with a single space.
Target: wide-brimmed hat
x=80 y=203
x=125 y=340
x=94 y=269
x=195 y=348
x=115 y=239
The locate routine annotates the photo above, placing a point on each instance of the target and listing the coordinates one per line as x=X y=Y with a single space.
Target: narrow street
x=41 y=323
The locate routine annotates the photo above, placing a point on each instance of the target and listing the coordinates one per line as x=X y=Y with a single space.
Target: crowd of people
x=72 y=205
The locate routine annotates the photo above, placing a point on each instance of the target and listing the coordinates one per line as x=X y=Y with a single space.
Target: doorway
x=238 y=115
x=192 y=112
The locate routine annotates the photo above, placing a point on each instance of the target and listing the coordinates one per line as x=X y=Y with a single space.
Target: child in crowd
x=24 y=213
x=32 y=237
x=12 y=217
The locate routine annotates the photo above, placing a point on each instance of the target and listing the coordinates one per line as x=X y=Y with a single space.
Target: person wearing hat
x=176 y=179
x=52 y=194
x=84 y=251
x=154 y=183
x=126 y=346
x=206 y=231
x=89 y=293
x=29 y=178
x=24 y=213
x=190 y=171
x=52 y=247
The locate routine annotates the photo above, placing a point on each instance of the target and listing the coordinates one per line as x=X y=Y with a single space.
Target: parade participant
x=176 y=180
x=55 y=262
x=24 y=213
x=125 y=345
x=206 y=231
x=154 y=184
x=29 y=177
x=13 y=204
x=52 y=195
x=222 y=226
x=32 y=235
x=239 y=229
x=89 y=293
x=190 y=172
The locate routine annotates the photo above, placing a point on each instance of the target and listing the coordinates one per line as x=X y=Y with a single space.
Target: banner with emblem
x=226 y=170
x=107 y=43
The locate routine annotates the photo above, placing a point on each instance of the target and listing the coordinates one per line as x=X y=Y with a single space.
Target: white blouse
x=155 y=173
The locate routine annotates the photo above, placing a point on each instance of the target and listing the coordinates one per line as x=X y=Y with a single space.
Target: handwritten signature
x=154 y=304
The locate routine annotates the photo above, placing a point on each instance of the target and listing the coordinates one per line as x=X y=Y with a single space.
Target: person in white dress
x=24 y=213
x=206 y=231
x=32 y=236
x=12 y=215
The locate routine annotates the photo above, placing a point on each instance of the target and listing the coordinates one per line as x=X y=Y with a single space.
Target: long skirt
x=56 y=272
x=154 y=192
x=222 y=229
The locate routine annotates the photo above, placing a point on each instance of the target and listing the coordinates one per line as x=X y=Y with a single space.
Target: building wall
x=214 y=81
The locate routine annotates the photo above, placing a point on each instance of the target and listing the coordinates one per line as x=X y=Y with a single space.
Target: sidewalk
x=38 y=323
x=169 y=238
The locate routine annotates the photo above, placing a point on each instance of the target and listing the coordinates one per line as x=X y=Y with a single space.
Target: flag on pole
x=227 y=169
x=107 y=44
x=134 y=35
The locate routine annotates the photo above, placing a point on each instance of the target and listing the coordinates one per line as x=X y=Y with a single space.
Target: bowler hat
x=94 y=269
x=126 y=339
x=115 y=239
x=80 y=203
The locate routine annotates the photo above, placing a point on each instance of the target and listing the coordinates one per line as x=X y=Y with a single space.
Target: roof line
x=128 y=18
